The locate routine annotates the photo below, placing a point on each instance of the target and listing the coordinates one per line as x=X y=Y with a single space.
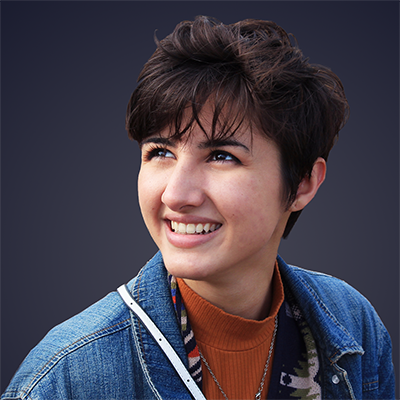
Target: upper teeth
x=179 y=227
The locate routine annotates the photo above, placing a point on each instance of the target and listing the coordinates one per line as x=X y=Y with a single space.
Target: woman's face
x=213 y=209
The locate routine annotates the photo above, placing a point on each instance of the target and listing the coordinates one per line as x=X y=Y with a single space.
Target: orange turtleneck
x=235 y=348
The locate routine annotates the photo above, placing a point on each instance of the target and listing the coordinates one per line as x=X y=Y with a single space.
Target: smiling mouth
x=193 y=229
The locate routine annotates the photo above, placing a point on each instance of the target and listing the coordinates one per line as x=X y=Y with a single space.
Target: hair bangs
x=178 y=106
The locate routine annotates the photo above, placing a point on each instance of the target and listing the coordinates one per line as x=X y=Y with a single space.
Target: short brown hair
x=253 y=72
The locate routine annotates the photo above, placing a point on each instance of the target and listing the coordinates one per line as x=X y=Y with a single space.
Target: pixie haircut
x=253 y=75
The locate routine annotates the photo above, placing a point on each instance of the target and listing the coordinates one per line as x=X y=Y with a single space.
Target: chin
x=187 y=266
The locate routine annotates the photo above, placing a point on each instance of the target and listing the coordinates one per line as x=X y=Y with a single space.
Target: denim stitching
x=143 y=354
x=32 y=384
x=338 y=351
x=323 y=307
x=370 y=383
x=139 y=324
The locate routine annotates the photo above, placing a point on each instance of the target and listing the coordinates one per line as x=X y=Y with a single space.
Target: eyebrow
x=208 y=144
x=158 y=140
x=223 y=143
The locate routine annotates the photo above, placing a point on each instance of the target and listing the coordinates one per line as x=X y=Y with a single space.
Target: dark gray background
x=71 y=227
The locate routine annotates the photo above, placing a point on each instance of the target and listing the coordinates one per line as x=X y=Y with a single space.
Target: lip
x=189 y=240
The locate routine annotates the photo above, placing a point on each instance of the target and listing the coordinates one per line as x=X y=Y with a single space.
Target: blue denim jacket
x=104 y=352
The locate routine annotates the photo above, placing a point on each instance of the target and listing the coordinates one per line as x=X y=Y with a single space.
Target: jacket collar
x=151 y=290
x=330 y=334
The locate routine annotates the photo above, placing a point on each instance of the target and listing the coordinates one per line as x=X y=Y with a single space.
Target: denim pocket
x=371 y=384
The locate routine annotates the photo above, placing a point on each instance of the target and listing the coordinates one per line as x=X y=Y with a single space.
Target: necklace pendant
x=258 y=395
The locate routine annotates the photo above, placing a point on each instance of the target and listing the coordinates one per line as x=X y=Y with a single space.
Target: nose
x=184 y=187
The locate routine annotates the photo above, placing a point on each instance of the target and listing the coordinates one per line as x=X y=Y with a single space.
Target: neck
x=249 y=296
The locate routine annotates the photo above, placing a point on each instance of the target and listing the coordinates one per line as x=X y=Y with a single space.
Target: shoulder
x=77 y=357
x=343 y=323
x=333 y=305
x=336 y=310
x=94 y=327
x=324 y=289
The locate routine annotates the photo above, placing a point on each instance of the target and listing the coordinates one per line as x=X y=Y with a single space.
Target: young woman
x=235 y=127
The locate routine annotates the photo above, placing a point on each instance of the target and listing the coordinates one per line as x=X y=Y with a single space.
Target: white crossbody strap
x=162 y=342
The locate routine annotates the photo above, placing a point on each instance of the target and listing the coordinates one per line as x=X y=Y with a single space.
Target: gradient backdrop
x=71 y=227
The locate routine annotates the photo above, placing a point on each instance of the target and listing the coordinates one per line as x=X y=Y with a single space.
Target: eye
x=157 y=152
x=223 y=156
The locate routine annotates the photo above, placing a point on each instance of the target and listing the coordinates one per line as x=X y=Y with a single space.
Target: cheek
x=149 y=193
x=141 y=187
x=239 y=192
x=233 y=199
x=253 y=202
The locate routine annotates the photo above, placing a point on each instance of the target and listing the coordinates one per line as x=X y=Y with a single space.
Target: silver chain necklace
x=260 y=389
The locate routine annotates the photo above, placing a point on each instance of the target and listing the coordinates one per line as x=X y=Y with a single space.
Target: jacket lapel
x=150 y=289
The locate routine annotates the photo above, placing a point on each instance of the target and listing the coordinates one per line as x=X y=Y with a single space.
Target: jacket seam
x=370 y=383
x=139 y=323
x=338 y=351
x=33 y=383
x=142 y=352
x=326 y=311
x=319 y=302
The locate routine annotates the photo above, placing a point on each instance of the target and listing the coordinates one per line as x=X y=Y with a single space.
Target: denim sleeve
x=386 y=369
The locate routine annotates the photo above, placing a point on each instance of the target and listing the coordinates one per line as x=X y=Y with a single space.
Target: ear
x=309 y=185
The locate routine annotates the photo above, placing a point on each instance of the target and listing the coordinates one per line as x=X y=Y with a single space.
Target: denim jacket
x=105 y=353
